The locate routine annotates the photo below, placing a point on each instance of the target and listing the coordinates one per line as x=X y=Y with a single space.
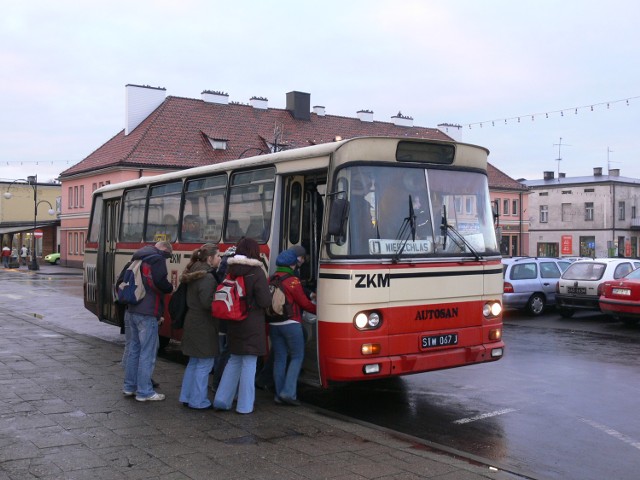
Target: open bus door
x=108 y=311
x=304 y=208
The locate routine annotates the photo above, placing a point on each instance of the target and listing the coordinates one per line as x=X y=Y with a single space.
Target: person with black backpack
x=141 y=322
x=200 y=330
x=287 y=337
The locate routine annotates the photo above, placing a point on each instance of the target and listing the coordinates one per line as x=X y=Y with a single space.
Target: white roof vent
x=402 y=120
x=319 y=110
x=452 y=130
x=211 y=96
x=365 y=115
x=260 y=103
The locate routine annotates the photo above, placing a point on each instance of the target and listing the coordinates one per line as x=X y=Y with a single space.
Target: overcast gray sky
x=65 y=65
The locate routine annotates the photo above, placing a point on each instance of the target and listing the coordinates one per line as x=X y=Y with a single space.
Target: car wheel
x=57 y=262
x=566 y=312
x=535 y=306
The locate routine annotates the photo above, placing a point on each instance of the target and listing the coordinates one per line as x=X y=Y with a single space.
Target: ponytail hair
x=201 y=254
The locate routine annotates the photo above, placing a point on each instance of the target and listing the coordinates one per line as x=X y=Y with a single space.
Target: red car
x=621 y=298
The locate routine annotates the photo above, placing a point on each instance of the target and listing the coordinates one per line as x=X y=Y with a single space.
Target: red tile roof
x=499 y=180
x=175 y=135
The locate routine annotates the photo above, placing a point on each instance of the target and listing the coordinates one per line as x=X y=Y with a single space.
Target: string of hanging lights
x=532 y=116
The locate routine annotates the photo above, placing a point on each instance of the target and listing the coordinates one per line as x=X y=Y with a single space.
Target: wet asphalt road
x=562 y=404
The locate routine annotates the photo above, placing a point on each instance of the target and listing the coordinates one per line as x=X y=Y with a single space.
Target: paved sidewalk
x=62 y=415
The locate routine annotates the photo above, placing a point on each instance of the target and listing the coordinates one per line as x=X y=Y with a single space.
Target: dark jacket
x=249 y=337
x=153 y=302
x=200 y=335
x=295 y=294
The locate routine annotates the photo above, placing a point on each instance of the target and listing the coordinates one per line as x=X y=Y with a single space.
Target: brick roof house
x=165 y=133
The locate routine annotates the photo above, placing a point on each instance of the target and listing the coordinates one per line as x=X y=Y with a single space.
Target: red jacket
x=295 y=296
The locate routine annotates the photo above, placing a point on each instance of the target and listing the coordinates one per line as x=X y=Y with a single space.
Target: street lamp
x=32 y=181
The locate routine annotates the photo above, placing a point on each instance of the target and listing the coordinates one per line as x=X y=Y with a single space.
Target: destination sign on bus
x=391 y=247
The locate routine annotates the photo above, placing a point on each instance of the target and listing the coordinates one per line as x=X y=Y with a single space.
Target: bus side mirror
x=338 y=218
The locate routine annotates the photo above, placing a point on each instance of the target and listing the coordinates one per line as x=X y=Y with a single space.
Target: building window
x=589 y=190
x=633 y=211
x=70 y=199
x=496 y=202
x=566 y=212
x=588 y=211
x=94 y=187
x=588 y=247
x=566 y=192
x=544 y=213
x=81 y=243
x=620 y=210
x=81 y=196
x=514 y=207
x=505 y=207
x=544 y=194
x=75 y=196
x=70 y=244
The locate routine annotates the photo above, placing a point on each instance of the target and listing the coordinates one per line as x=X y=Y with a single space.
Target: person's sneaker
x=156 y=397
x=290 y=401
x=128 y=394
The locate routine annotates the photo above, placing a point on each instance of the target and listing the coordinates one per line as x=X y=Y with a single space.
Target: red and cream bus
x=399 y=233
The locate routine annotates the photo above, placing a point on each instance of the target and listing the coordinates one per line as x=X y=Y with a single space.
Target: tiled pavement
x=62 y=415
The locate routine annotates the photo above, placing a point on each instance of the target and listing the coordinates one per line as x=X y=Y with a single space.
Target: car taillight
x=601 y=288
x=508 y=288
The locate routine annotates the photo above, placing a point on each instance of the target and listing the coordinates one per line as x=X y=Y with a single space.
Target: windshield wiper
x=447 y=231
x=407 y=230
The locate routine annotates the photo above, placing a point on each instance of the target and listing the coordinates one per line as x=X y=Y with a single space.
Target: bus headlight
x=491 y=309
x=367 y=320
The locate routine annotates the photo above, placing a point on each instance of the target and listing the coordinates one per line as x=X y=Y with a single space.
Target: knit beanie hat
x=299 y=251
x=286 y=258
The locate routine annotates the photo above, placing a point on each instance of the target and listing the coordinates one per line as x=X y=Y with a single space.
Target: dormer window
x=218 y=143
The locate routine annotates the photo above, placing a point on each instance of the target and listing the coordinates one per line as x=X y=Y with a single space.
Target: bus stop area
x=63 y=415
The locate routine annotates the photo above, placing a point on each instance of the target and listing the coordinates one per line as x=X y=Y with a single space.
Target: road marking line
x=612 y=432
x=484 y=415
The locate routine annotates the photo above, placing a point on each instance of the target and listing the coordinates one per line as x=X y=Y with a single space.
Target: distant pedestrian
x=247 y=339
x=200 y=333
x=24 y=252
x=6 y=255
x=141 y=323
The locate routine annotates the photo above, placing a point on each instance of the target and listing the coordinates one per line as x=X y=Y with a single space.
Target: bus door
x=105 y=263
x=302 y=225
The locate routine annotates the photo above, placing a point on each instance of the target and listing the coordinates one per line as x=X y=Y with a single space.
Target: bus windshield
x=401 y=212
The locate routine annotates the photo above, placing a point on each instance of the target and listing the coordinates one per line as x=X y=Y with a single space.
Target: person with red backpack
x=141 y=323
x=247 y=339
x=287 y=337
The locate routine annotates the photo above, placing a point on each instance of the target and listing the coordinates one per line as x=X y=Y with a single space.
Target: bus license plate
x=577 y=290
x=440 y=340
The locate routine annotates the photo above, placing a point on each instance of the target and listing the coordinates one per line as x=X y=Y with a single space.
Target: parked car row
x=611 y=285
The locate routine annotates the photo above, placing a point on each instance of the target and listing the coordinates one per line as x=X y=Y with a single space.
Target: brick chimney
x=319 y=110
x=298 y=103
x=614 y=172
x=597 y=171
x=548 y=175
x=140 y=101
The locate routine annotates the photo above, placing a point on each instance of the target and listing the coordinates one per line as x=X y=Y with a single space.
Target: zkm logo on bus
x=373 y=280
x=175 y=258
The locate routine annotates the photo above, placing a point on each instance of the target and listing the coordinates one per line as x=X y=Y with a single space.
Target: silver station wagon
x=530 y=283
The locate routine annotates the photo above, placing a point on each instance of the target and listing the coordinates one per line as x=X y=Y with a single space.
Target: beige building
x=590 y=216
x=19 y=217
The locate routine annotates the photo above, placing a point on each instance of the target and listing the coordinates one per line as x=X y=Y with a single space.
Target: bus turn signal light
x=370 y=348
x=495 y=334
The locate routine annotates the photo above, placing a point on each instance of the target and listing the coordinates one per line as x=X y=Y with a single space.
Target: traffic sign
x=38 y=233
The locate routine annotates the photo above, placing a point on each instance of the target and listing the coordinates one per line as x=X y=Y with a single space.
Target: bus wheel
x=566 y=312
x=164 y=341
x=535 y=306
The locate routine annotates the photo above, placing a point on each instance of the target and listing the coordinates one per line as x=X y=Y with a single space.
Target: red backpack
x=229 y=302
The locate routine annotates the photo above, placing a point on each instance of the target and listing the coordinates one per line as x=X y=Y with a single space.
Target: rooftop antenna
x=609 y=162
x=559 y=159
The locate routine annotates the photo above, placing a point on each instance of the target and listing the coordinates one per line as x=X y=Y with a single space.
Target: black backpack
x=178 y=306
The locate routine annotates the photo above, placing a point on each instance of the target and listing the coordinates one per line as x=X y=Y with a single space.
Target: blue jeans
x=141 y=351
x=196 y=381
x=238 y=376
x=287 y=341
x=221 y=360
